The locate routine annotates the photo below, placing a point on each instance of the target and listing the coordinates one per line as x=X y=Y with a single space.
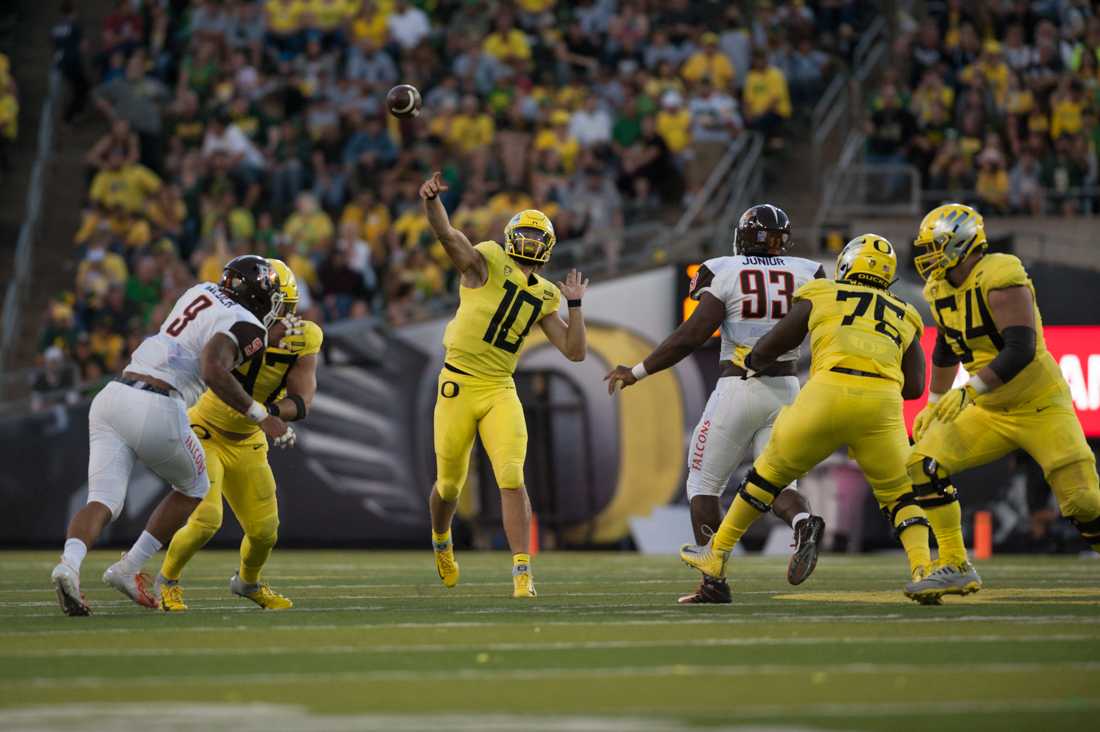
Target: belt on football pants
x=142 y=385
x=779 y=368
x=856 y=372
x=449 y=367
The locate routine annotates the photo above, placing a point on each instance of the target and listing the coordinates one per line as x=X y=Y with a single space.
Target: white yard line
x=678 y=617
x=534 y=646
x=451 y=675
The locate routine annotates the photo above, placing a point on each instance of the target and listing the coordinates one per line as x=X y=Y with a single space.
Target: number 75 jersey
x=486 y=334
x=756 y=291
x=861 y=328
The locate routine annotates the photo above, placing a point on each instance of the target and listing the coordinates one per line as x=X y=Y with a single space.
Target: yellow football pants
x=834 y=410
x=239 y=471
x=466 y=406
x=1047 y=429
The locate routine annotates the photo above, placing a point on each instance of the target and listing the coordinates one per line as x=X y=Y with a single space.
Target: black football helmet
x=763 y=230
x=254 y=283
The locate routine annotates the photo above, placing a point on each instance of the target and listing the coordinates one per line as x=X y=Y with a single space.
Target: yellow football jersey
x=485 y=336
x=263 y=377
x=857 y=327
x=962 y=314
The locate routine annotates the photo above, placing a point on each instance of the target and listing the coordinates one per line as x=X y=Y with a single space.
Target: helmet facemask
x=530 y=243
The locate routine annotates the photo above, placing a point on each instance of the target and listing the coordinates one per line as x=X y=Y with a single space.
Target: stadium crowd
x=998 y=106
x=240 y=126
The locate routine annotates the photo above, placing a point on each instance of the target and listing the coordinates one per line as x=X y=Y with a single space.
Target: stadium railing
x=13 y=297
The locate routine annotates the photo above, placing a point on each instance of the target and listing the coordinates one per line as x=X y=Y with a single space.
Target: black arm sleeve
x=942 y=355
x=1018 y=352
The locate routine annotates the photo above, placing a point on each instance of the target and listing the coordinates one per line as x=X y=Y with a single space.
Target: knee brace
x=906 y=519
x=935 y=488
x=762 y=503
x=264 y=531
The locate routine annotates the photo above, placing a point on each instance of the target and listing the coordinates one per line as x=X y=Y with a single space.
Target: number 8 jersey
x=487 y=332
x=173 y=353
x=756 y=291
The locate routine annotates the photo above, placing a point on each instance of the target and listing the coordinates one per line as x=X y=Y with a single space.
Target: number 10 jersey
x=756 y=291
x=487 y=332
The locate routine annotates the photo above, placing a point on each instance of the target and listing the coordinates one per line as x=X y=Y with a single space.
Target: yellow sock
x=184 y=545
x=915 y=538
x=521 y=560
x=947 y=526
x=441 y=540
x=257 y=545
x=738 y=520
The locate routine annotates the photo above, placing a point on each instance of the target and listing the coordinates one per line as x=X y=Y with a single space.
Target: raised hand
x=433 y=187
x=574 y=286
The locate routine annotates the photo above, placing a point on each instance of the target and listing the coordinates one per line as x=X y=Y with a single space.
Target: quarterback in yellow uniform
x=1016 y=398
x=501 y=298
x=867 y=358
x=285 y=379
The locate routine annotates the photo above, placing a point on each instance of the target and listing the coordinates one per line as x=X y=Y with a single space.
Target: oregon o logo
x=882 y=245
x=449 y=389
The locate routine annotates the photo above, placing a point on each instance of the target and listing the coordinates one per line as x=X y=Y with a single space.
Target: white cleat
x=135 y=585
x=66 y=581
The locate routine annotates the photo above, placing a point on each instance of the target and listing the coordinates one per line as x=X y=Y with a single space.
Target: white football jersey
x=756 y=291
x=173 y=354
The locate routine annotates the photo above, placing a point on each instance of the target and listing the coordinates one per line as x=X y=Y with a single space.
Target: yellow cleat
x=446 y=564
x=171 y=598
x=523 y=586
x=260 y=594
x=705 y=558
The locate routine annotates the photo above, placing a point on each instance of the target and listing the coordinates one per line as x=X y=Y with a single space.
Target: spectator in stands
x=120 y=137
x=122 y=185
x=591 y=124
x=136 y=99
x=674 y=122
x=889 y=133
x=408 y=25
x=55 y=382
x=598 y=206
x=806 y=69
x=992 y=184
x=310 y=228
x=714 y=123
x=345 y=291
x=1025 y=189
x=767 y=102
x=68 y=42
x=709 y=63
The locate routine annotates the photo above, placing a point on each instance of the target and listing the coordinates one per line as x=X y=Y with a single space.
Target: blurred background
x=143 y=143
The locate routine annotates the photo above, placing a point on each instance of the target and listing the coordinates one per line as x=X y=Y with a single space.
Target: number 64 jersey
x=757 y=293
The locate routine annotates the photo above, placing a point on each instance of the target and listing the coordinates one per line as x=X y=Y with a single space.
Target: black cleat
x=807 y=543
x=712 y=591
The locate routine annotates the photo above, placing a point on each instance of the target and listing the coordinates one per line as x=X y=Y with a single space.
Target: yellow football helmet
x=868 y=260
x=530 y=236
x=947 y=235
x=288 y=286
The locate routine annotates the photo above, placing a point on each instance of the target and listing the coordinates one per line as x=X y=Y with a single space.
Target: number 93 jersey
x=263 y=377
x=963 y=316
x=485 y=336
x=857 y=327
x=756 y=291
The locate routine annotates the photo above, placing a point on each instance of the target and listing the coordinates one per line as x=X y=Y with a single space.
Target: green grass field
x=375 y=641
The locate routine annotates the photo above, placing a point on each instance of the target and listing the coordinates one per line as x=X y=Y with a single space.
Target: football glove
x=285 y=440
x=295 y=338
x=924 y=419
x=953 y=402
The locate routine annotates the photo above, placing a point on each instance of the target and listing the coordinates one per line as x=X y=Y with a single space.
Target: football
x=403 y=101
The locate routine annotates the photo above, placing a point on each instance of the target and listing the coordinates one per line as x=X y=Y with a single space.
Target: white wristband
x=639 y=371
x=934 y=397
x=257 y=412
x=976 y=383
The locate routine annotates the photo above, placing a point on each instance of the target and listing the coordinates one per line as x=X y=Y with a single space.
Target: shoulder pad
x=814 y=288
x=314 y=337
x=997 y=271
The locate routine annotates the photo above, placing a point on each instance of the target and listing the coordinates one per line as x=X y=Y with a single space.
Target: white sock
x=146 y=546
x=74 y=553
x=799 y=517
